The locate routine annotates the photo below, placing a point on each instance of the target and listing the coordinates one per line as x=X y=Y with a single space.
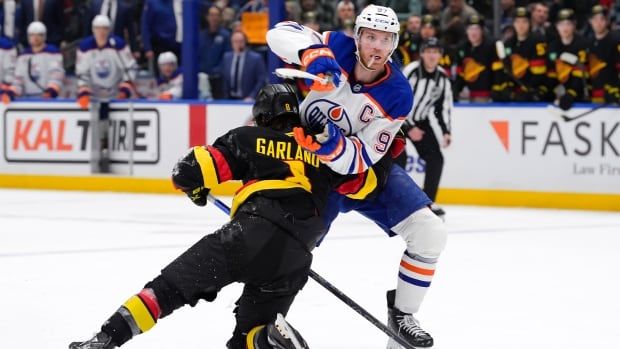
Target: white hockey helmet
x=36 y=28
x=101 y=21
x=379 y=18
x=167 y=57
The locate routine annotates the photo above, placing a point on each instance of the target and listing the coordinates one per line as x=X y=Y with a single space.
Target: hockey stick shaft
x=335 y=291
x=587 y=112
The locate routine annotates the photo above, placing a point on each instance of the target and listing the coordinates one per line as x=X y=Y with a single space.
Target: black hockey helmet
x=273 y=102
x=431 y=42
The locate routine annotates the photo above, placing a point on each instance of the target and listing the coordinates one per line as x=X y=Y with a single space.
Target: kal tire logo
x=64 y=136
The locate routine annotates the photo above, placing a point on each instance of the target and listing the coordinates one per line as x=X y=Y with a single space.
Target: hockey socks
x=137 y=315
x=414 y=278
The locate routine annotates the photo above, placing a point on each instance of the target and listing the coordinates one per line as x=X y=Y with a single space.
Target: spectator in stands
x=540 y=20
x=567 y=59
x=50 y=12
x=309 y=20
x=229 y=16
x=409 y=41
x=322 y=14
x=508 y=12
x=244 y=70
x=162 y=27
x=433 y=8
x=453 y=22
x=345 y=15
x=39 y=71
x=121 y=15
x=214 y=42
x=407 y=7
x=293 y=10
x=8 y=11
x=478 y=67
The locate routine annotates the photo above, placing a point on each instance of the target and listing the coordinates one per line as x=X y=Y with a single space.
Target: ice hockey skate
x=278 y=334
x=408 y=327
x=100 y=341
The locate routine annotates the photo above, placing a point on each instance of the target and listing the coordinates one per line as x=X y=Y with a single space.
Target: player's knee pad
x=424 y=233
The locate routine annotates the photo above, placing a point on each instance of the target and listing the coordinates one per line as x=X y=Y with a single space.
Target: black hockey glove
x=612 y=96
x=187 y=177
x=566 y=101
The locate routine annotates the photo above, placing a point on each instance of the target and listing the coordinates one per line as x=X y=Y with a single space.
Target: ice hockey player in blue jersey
x=351 y=124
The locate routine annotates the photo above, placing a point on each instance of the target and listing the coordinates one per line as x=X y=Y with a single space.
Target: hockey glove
x=319 y=60
x=83 y=99
x=328 y=144
x=566 y=101
x=187 y=177
x=124 y=91
x=8 y=94
x=50 y=92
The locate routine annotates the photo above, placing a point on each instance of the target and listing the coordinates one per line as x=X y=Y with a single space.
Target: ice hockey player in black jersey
x=478 y=66
x=566 y=61
x=603 y=59
x=267 y=244
x=526 y=55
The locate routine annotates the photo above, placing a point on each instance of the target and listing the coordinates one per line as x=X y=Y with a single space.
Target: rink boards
x=510 y=155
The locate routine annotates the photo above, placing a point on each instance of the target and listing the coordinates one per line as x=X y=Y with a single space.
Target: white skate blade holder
x=286 y=330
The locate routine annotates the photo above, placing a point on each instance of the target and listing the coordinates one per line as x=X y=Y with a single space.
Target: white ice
x=509 y=278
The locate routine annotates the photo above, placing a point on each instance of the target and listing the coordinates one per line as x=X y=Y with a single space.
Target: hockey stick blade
x=336 y=292
x=289 y=73
x=587 y=112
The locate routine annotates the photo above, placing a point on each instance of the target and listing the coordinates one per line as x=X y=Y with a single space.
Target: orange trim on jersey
x=418 y=270
x=387 y=75
x=327 y=35
x=360 y=160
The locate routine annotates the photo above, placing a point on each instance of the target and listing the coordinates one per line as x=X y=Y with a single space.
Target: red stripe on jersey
x=352 y=186
x=197 y=125
x=221 y=165
x=480 y=93
x=537 y=62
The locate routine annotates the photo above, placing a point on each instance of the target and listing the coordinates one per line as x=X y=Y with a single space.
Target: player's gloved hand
x=566 y=101
x=124 y=92
x=319 y=59
x=7 y=96
x=165 y=96
x=328 y=144
x=187 y=177
x=50 y=92
x=398 y=144
x=83 y=99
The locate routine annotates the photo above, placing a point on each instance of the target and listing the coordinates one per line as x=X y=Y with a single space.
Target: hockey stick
x=335 y=291
x=557 y=111
x=290 y=73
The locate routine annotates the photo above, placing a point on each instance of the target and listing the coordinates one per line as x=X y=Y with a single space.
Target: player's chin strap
x=335 y=291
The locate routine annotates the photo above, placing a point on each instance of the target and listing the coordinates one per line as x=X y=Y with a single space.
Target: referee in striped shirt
x=432 y=95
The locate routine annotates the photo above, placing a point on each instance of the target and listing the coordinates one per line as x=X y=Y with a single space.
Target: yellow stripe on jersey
x=245 y=192
x=140 y=313
x=370 y=184
x=207 y=166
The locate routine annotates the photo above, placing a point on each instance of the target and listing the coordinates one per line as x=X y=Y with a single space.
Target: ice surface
x=509 y=278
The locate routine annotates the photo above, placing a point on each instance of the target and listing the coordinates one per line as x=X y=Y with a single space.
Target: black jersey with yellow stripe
x=267 y=162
